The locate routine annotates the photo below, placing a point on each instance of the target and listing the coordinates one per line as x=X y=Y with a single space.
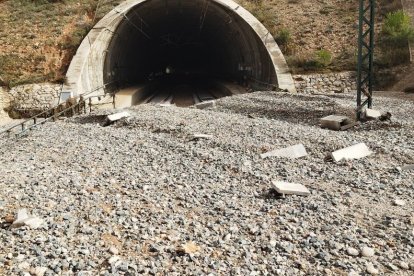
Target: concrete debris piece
x=399 y=202
x=166 y=104
x=334 y=122
x=296 y=151
x=113 y=259
x=118 y=116
x=352 y=251
x=371 y=269
x=206 y=104
x=38 y=271
x=353 y=152
x=113 y=250
x=367 y=252
x=202 y=136
x=408 y=167
x=286 y=188
x=189 y=248
x=372 y=114
x=23 y=218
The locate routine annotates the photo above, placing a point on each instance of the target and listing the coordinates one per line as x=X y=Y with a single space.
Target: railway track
x=182 y=95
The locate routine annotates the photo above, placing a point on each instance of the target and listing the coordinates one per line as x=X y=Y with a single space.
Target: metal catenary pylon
x=365 y=76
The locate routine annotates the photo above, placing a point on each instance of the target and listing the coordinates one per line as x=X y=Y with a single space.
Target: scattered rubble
x=296 y=151
x=399 y=202
x=357 y=151
x=24 y=219
x=206 y=104
x=189 y=248
x=143 y=189
x=286 y=188
x=371 y=269
x=202 y=136
x=408 y=167
x=352 y=251
x=110 y=119
x=335 y=122
x=372 y=114
x=367 y=252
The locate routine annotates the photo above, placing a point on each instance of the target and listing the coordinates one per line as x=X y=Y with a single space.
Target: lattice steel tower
x=365 y=55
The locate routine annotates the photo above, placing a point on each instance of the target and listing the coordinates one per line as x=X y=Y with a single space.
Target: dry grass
x=38 y=38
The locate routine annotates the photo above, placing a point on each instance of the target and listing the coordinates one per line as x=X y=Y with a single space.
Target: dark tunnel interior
x=187 y=42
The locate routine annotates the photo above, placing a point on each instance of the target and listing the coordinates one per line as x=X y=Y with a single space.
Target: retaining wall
x=343 y=82
x=31 y=99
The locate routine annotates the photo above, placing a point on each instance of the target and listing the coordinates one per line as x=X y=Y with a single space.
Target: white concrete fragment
x=113 y=259
x=166 y=104
x=113 y=250
x=399 y=202
x=367 y=251
x=290 y=188
x=296 y=151
x=205 y=104
x=128 y=97
x=372 y=114
x=118 y=116
x=33 y=222
x=202 y=136
x=371 y=269
x=353 y=152
x=408 y=167
x=38 y=271
x=23 y=218
x=334 y=122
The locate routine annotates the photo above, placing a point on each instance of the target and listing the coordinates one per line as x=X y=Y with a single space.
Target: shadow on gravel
x=298 y=109
x=293 y=114
x=377 y=125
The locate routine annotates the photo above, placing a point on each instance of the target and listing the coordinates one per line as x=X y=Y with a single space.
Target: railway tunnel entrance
x=181 y=51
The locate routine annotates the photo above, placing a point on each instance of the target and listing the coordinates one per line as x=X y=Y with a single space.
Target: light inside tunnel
x=186 y=42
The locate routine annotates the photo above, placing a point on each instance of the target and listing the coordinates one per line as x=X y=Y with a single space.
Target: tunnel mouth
x=178 y=46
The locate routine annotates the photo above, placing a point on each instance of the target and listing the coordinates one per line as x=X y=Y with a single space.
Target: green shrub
x=397 y=28
x=323 y=58
x=283 y=39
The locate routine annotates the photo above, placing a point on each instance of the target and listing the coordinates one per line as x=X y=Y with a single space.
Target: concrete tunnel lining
x=216 y=38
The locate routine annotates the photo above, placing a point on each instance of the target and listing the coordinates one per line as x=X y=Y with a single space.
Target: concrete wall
x=326 y=83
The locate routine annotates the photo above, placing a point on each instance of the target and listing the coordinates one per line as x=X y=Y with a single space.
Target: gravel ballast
x=143 y=196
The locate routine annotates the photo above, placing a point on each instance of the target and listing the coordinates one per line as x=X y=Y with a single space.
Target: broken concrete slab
x=23 y=218
x=408 y=167
x=206 y=104
x=202 y=136
x=353 y=152
x=287 y=188
x=118 y=116
x=372 y=114
x=166 y=105
x=296 y=151
x=334 y=122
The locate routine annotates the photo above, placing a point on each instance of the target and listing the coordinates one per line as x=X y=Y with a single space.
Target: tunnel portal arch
x=139 y=38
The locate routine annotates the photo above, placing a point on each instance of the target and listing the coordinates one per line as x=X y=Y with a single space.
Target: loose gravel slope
x=141 y=196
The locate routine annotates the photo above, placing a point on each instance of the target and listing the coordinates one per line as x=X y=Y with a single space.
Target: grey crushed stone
x=144 y=187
